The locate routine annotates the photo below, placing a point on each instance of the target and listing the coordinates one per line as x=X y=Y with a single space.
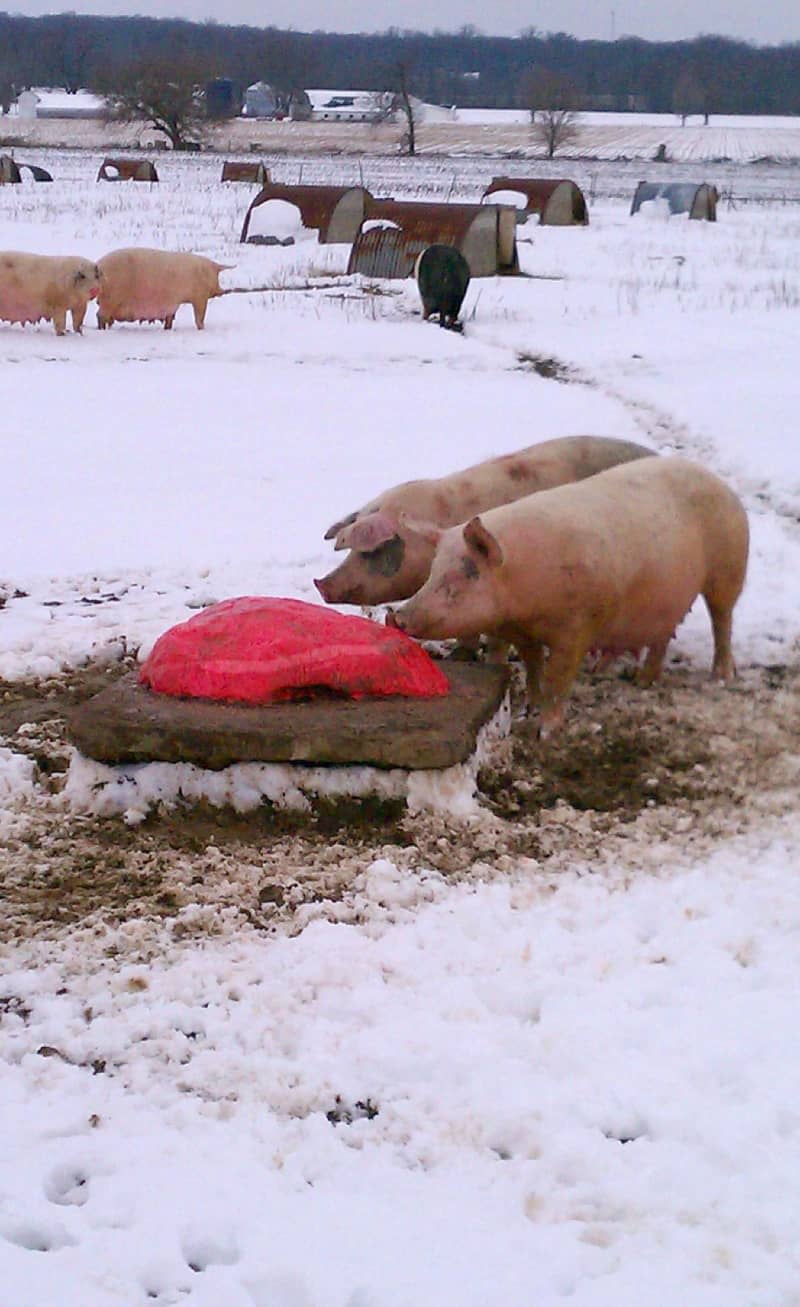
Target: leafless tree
x=551 y=99
x=689 y=96
x=163 y=93
x=399 y=80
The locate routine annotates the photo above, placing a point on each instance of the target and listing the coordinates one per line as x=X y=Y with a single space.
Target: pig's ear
x=483 y=542
x=336 y=527
x=368 y=533
x=426 y=530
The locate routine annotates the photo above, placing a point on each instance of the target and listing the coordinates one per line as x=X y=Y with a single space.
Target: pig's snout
x=322 y=586
x=392 y=619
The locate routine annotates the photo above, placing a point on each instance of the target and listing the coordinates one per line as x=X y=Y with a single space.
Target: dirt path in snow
x=639 y=780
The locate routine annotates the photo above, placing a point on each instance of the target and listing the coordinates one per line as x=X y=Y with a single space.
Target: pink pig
x=141 y=285
x=612 y=564
x=389 y=560
x=35 y=286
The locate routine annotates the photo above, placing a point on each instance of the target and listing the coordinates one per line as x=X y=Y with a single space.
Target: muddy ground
x=636 y=778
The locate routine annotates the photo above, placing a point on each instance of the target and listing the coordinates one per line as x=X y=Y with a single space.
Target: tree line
x=710 y=74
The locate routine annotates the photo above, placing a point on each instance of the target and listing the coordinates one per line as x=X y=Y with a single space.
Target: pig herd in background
x=133 y=285
x=574 y=546
x=144 y=285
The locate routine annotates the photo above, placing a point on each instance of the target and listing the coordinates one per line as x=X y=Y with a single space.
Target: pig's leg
x=653 y=663
x=532 y=654
x=559 y=671
x=200 y=307
x=724 y=668
x=77 y=319
x=168 y=321
x=60 y=321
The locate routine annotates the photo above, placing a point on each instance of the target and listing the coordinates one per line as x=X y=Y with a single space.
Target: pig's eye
x=80 y=276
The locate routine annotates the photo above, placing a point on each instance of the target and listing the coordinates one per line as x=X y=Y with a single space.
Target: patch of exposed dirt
x=686 y=765
x=551 y=369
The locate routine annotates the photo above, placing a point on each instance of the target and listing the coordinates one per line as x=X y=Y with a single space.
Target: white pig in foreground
x=389 y=560
x=611 y=564
x=36 y=286
x=141 y=285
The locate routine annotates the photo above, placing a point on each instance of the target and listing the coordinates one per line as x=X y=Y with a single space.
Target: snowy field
x=547 y=1056
x=464 y=133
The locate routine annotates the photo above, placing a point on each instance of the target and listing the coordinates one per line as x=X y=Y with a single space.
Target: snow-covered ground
x=444 y=133
x=535 y=1081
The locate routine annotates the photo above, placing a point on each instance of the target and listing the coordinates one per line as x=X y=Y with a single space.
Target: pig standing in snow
x=389 y=560
x=141 y=285
x=442 y=278
x=611 y=564
x=35 y=286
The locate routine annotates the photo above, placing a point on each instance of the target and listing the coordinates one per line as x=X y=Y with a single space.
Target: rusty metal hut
x=395 y=232
x=127 y=170
x=235 y=171
x=9 y=172
x=697 y=199
x=559 y=203
x=334 y=212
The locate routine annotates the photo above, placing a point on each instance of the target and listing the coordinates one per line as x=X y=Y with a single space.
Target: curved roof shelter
x=335 y=212
x=698 y=199
x=235 y=171
x=559 y=203
x=11 y=170
x=127 y=170
x=395 y=232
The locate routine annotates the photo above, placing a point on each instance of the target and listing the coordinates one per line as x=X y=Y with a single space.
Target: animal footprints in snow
x=67 y=1186
x=37 y=1237
x=206 y=1249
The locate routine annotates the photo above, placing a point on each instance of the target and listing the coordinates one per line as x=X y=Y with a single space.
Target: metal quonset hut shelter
x=559 y=203
x=234 y=171
x=395 y=232
x=127 y=170
x=335 y=212
x=698 y=199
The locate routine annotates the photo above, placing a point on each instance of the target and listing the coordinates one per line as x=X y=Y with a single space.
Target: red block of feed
x=257 y=650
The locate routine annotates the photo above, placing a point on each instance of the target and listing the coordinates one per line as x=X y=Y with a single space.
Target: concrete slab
x=128 y=723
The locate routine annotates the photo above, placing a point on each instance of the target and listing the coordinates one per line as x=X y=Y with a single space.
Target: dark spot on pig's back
x=518 y=472
x=387 y=559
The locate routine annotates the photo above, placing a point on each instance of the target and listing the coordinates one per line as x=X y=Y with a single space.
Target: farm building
x=697 y=199
x=395 y=232
x=223 y=98
x=350 y=106
x=47 y=102
x=260 y=101
x=334 y=212
x=558 y=203
x=127 y=170
x=235 y=171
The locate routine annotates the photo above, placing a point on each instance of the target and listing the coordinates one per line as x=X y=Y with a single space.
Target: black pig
x=442 y=278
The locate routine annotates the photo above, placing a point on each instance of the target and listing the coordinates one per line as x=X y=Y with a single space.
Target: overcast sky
x=765 y=22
